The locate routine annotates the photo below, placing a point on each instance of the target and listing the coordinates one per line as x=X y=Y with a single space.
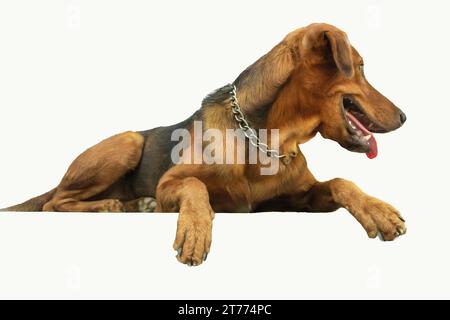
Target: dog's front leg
x=373 y=214
x=190 y=197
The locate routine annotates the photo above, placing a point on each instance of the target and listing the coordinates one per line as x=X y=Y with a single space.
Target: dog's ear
x=342 y=52
x=258 y=85
x=333 y=44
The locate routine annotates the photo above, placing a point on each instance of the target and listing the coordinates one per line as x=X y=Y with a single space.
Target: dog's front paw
x=194 y=234
x=378 y=217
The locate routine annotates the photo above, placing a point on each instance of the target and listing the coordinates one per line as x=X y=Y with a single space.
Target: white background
x=75 y=72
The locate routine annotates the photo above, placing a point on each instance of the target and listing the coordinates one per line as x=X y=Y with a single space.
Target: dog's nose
x=402 y=117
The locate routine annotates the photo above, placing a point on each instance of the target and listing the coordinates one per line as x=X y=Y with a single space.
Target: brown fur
x=296 y=88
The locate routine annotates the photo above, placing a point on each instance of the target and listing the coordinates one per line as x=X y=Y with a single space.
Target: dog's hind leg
x=94 y=171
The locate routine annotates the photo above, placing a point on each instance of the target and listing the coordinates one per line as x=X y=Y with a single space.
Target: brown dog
x=313 y=81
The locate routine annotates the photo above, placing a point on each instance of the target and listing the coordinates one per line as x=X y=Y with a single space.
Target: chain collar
x=249 y=132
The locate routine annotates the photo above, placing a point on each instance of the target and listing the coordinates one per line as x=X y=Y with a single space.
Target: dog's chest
x=246 y=194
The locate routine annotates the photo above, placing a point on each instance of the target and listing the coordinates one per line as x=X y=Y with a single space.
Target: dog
x=311 y=82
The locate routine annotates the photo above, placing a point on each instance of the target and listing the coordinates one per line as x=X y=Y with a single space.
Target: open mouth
x=360 y=127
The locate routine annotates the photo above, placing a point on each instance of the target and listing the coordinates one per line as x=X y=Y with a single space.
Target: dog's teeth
x=367 y=138
x=351 y=125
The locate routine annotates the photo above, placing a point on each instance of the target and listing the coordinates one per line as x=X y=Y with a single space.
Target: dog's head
x=351 y=110
x=322 y=75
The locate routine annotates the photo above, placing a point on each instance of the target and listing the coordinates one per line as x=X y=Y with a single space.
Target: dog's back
x=156 y=157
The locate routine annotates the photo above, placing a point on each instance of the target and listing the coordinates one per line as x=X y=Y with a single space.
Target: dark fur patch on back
x=222 y=96
x=218 y=96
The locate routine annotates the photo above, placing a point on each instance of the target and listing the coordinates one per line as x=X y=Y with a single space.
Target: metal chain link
x=249 y=132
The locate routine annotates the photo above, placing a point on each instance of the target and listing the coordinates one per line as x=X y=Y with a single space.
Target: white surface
x=75 y=72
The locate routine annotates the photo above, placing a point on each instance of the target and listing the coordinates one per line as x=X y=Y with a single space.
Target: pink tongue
x=373 y=151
